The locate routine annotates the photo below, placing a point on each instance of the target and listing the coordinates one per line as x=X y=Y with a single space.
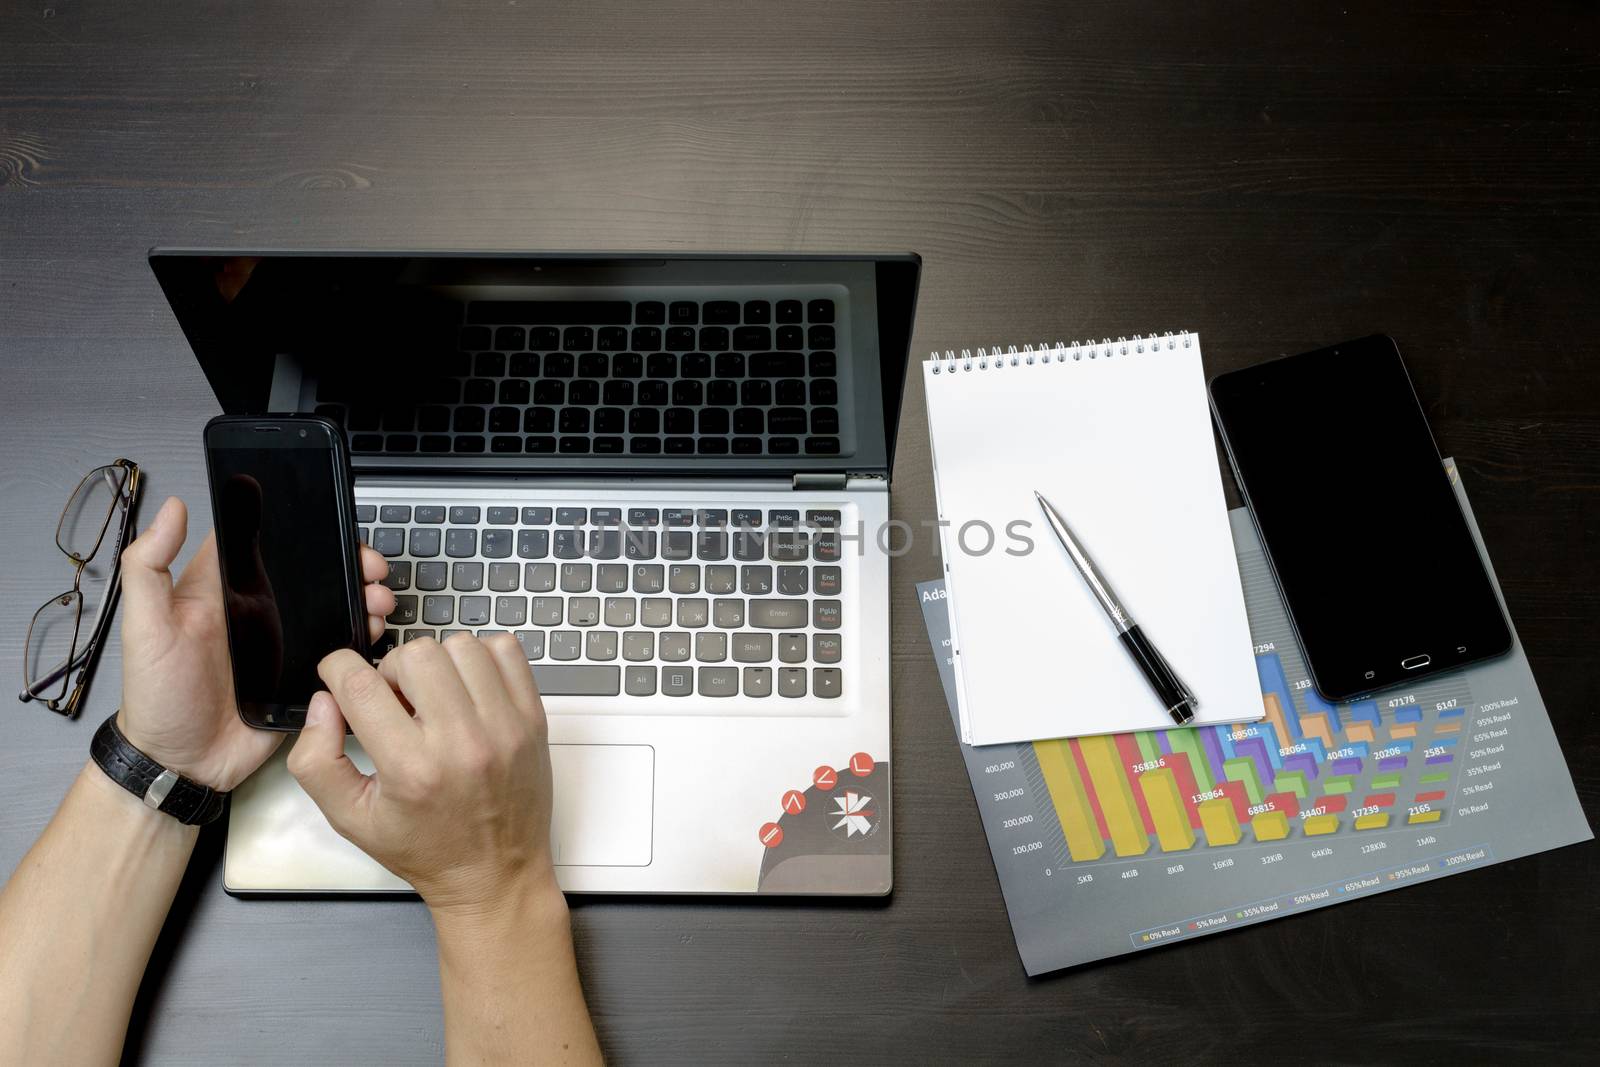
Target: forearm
x=78 y=919
x=510 y=984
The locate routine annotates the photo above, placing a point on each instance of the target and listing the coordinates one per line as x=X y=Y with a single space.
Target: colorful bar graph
x=1341 y=784
x=1445 y=758
x=1320 y=824
x=1330 y=803
x=1379 y=800
x=1110 y=782
x=1270 y=826
x=1376 y=821
x=1279 y=722
x=1219 y=821
x=1429 y=798
x=1426 y=816
x=1385 y=781
x=1315 y=705
x=1304 y=763
x=1393 y=763
x=1434 y=776
x=1409 y=713
x=1165 y=801
x=1188 y=788
x=1360 y=731
x=1072 y=805
x=1452 y=726
x=1399 y=730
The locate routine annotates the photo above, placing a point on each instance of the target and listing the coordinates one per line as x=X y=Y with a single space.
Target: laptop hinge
x=820 y=480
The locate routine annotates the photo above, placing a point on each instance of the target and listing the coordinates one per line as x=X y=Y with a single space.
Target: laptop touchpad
x=605 y=804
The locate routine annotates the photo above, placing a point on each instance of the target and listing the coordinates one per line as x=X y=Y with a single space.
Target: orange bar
x=1275 y=717
x=1317 y=726
x=1451 y=727
x=1361 y=731
x=1407 y=729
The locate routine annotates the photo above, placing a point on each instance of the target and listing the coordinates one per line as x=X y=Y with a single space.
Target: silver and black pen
x=1176 y=697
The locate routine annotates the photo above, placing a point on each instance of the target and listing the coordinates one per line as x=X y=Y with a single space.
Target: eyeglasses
x=60 y=652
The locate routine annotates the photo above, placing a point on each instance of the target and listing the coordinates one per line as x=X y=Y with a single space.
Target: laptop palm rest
x=279 y=842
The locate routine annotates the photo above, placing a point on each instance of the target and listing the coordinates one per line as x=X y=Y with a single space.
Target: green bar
x=1292 y=782
x=1243 y=769
x=1386 y=781
x=1147 y=745
x=1436 y=776
x=1340 y=784
x=1188 y=742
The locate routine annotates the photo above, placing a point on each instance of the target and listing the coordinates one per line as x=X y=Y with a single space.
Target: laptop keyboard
x=616 y=377
x=626 y=601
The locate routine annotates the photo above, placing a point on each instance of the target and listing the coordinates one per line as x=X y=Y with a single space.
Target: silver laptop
x=667 y=475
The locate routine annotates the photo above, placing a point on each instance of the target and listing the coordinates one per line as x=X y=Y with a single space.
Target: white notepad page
x=1118 y=437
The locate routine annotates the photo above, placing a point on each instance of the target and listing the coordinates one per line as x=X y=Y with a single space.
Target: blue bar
x=1270 y=669
x=1409 y=713
x=1366 y=711
x=1451 y=713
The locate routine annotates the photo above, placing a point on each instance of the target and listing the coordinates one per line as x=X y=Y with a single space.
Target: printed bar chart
x=1299 y=772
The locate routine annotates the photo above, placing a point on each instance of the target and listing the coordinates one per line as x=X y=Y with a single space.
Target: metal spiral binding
x=1044 y=352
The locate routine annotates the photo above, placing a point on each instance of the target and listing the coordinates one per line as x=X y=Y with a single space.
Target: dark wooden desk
x=1273 y=175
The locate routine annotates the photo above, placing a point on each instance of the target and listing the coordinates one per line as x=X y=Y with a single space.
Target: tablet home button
x=1413 y=662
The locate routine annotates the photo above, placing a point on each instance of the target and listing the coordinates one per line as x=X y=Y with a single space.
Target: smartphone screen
x=281 y=497
x=1372 y=554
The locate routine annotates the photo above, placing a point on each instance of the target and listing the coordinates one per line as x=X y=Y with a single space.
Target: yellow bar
x=1275 y=717
x=1270 y=826
x=1451 y=727
x=1317 y=726
x=1109 y=779
x=1427 y=816
x=1407 y=729
x=1320 y=824
x=1360 y=731
x=1376 y=821
x=1071 y=803
x=1161 y=795
x=1218 y=821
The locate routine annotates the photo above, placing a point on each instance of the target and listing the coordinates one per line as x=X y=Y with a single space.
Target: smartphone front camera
x=302 y=433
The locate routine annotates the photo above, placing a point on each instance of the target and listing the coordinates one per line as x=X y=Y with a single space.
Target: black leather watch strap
x=167 y=791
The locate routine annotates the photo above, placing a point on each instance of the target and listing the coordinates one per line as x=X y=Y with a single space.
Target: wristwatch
x=165 y=790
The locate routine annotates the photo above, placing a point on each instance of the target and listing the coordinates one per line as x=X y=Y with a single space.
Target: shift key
x=778 y=614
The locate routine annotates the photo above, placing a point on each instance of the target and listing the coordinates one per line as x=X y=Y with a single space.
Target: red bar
x=1423 y=798
x=1287 y=803
x=1128 y=749
x=1234 y=791
x=1379 y=800
x=1088 y=787
x=1179 y=762
x=1330 y=804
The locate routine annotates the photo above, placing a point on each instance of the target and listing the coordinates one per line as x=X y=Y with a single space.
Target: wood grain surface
x=1274 y=175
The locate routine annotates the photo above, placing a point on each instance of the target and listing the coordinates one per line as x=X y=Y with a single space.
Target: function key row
x=472 y=514
x=514 y=315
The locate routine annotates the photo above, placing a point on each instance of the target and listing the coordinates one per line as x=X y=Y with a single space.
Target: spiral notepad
x=1117 y=434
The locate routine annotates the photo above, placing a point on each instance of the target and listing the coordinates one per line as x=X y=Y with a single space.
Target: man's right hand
x=459 y=804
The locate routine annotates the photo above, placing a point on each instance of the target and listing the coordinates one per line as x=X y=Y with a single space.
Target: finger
x=319 y=764
x=512 y=662
x=374 y=568
x=380 y=600
x=375 y=628
x=426 y=676
x=146 y=573
x=478 y=673
x=375 y=714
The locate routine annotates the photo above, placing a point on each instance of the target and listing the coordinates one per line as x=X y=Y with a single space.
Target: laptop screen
x=563 y=362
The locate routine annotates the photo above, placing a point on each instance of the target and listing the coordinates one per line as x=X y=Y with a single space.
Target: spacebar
x=577 y=680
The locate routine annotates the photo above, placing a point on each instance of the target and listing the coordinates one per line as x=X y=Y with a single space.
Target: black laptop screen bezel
x=238 y=363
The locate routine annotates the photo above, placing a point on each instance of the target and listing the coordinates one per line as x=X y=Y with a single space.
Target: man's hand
x=177 y=687
x=460 y=804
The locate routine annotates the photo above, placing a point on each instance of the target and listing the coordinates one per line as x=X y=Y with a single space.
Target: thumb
x=320 y=766
x=146 y=579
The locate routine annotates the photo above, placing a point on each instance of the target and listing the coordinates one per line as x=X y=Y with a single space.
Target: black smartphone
x=1360 y=524
x=283 y=501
